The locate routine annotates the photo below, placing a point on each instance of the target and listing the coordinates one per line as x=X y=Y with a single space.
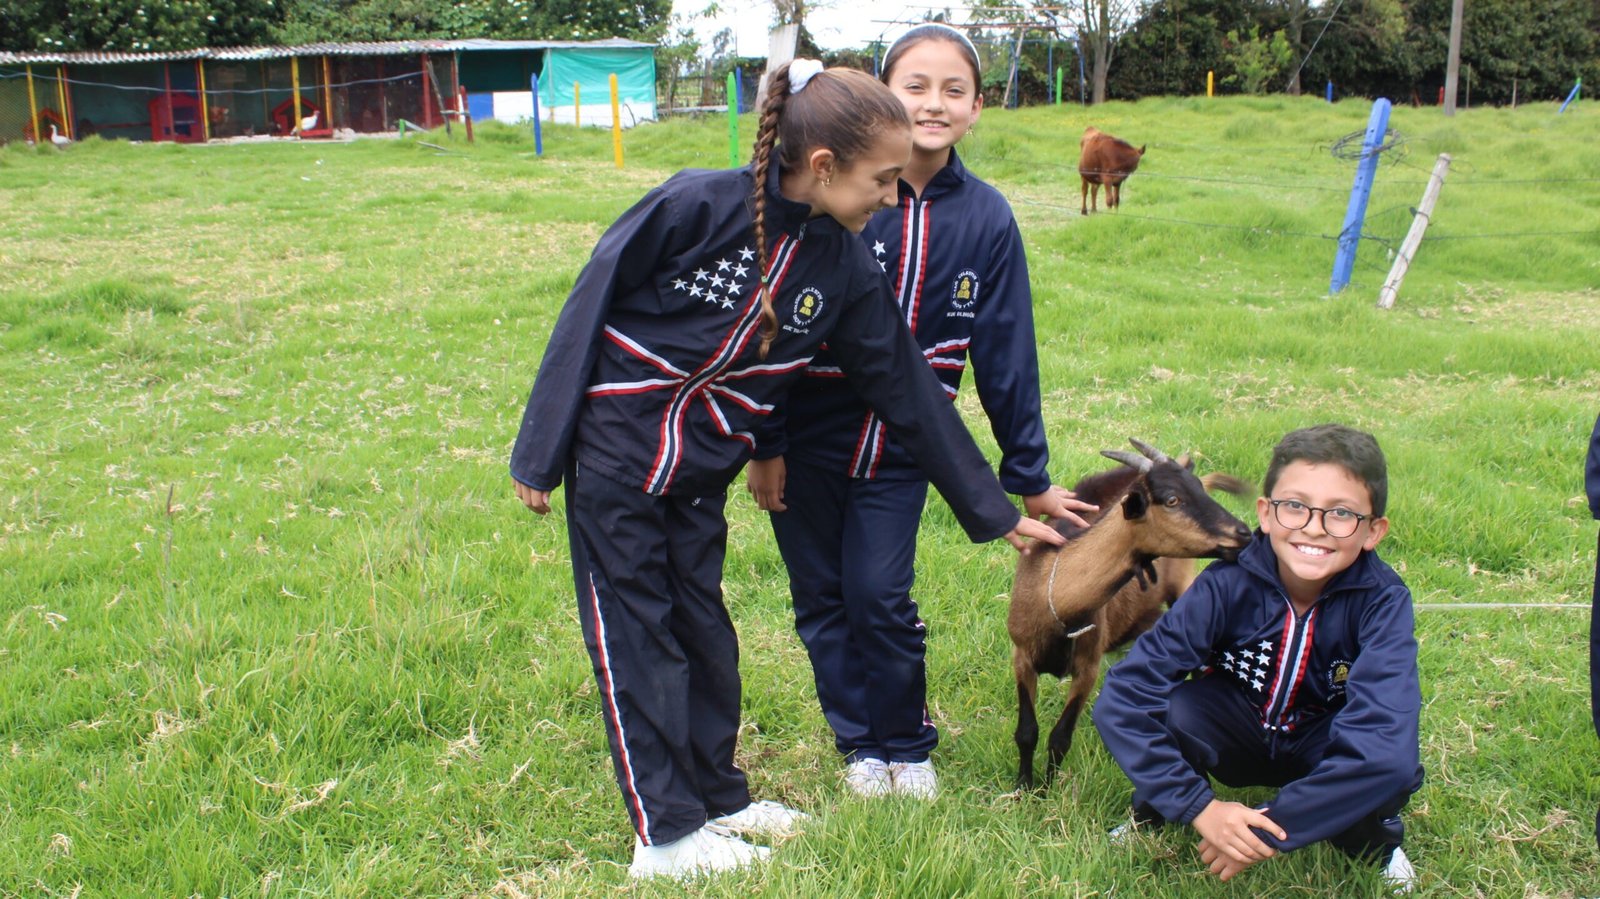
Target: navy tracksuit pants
x=850 y=546
x=648 y=571
x=1219 y=733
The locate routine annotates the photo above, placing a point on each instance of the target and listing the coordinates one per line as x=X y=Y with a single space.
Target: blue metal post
x=738 y=89
x=538 y=137
x=1576 y=88
x=1360 y=192
x=1330 y=92
x=1050 y=66
x=1083 y=83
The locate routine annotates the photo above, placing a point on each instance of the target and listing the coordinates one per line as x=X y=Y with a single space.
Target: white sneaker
x=761 y=819
x=915 y=779
x=1399 y=873
x=703 y=852
x=868 y=777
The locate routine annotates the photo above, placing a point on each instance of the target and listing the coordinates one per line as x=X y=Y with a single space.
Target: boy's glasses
x=1336 y=522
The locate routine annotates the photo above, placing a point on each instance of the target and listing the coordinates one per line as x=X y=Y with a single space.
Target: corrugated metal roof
x=341 y=48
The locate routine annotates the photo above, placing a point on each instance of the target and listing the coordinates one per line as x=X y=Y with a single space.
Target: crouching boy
x=1304 y=676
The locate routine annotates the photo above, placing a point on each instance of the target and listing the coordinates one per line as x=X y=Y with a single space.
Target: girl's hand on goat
x=1225 y=827
x=766 y=478
x=1058 y=502
x=537 y=500
x=1038 y=530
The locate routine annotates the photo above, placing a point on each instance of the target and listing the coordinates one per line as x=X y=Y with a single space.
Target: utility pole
x=1453 y=67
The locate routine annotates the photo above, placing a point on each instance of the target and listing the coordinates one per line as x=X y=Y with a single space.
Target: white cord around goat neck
x=1050 y=601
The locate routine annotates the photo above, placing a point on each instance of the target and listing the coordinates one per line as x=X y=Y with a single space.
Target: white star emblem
x=695 y=291
x=1227 y=658
x=746 y=253
x=878 y=249
x=716 y=281
x=1266 y=645
x=727 y=302
x=711 y=298
x=739 y=271
x=1256 y=684
x=722 y=265
x=701 y=274
x=881 y=266
x=1261 y=672
x=679 y=284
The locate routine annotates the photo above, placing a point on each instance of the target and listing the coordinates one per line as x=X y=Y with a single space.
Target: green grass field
x=273 y=624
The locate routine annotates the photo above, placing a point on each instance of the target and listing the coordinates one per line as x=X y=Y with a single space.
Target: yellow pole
x=33 y=104
x=294 y=75
x=327 y=92
x=205 y=102
x=616 y=122
x=577 y=105
x=61 y=102
x=1209 y=83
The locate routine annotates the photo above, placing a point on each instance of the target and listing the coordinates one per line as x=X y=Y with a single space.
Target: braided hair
x=842 y=110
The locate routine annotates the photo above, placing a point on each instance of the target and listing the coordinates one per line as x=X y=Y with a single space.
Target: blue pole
x=738 y=89
x=1083 y=89
x=538 y=137
x=1330 y=92
x=1360 y=192
x=1050 y=66
x=1570 y=97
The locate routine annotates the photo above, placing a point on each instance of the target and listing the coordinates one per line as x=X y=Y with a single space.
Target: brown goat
x=1105 y=160
x=1110 y=582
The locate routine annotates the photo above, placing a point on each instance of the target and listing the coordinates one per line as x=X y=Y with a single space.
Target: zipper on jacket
x=1289 y=667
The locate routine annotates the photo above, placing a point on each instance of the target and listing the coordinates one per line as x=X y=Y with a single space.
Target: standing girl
x=854 y=497
x=697 y=309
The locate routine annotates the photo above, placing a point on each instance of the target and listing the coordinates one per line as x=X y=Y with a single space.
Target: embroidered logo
x=807 y=306
x=1338 y=673
x=964 y=292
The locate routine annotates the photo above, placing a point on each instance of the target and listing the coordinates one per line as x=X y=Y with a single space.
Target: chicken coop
x=306 y=91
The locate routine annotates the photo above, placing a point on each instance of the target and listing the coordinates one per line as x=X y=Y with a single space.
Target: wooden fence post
x=1419 y=224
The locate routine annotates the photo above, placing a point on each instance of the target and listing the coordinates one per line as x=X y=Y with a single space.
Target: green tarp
x=592 y=68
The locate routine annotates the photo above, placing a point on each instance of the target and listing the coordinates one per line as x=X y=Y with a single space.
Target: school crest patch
x=964 y=290
x=1338 y=674
x=807 y=306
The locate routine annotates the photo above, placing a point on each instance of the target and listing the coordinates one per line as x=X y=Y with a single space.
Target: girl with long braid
x=698 y=308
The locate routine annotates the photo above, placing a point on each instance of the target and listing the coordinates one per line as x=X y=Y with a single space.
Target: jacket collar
x=1259 y=559
x=946 y=180
x=784 y=214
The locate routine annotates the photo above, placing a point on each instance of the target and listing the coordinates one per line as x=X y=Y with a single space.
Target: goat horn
x=1154 y=454
x=1128 y=459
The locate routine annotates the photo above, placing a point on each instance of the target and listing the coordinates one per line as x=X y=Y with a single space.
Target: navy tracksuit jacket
x=645 y=404
x=955 y=260
x=1591 y=485
x=1332 y=696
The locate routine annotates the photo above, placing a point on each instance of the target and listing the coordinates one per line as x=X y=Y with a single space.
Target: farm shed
x=312 y=90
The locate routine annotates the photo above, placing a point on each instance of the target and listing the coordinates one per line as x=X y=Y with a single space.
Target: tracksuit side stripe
x=608 y=689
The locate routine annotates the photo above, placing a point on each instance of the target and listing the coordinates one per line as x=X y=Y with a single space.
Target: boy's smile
x=1309 y=557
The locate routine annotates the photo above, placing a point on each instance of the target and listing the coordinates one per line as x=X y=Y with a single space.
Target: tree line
x=1527 y=49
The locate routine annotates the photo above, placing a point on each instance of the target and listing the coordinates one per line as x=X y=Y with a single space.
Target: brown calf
x=1109 y=583
x=1105 y=160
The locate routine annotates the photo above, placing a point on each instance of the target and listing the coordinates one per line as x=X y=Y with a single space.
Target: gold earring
x=828 y=181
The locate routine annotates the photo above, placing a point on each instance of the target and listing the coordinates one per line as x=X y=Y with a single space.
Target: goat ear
x=1135 y=504
x=1185 y=462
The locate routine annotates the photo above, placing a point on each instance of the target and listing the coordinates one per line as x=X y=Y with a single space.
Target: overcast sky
x=835 y=24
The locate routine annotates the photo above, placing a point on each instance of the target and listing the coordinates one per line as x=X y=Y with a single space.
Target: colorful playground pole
x=205 y=105
x=327 y=94
x=1576 y=88
x=577 y=104
x=1350 y=235
x=66 y=100
x=616 y=122
x=1211 y=83
x=733 y=122
x=33 y=104
x=461 y=109
x=294 y=74
x=538 y=134
x=1330 y=92
x=1058 y=85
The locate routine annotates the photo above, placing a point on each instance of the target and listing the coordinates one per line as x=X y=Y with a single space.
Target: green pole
x=1058 y=85
x=733 y=122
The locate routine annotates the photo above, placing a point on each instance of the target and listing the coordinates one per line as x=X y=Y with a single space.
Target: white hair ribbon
x=801 y=71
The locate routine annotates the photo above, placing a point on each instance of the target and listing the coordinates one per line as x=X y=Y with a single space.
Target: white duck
x=57 y=138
